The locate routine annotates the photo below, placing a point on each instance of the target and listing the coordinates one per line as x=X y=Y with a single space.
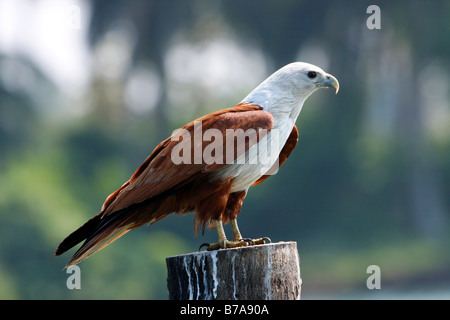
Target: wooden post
x=262 y=272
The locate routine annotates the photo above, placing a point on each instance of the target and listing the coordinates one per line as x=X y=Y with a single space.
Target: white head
x=286 y=90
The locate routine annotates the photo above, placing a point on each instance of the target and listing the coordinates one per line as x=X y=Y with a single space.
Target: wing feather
x=290 y=145
x=158 y=178
x=158 y=173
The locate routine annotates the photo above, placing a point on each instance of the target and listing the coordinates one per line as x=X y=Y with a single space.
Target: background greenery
x=81 y=106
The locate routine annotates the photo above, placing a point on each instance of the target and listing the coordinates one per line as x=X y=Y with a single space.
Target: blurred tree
x=368 y=170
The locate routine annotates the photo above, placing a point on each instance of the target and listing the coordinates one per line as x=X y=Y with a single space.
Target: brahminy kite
x=201 y=168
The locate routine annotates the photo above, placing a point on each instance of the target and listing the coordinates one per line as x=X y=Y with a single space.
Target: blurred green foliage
x=367 y=184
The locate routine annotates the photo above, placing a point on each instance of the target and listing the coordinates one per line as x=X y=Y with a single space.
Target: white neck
x=278 y=99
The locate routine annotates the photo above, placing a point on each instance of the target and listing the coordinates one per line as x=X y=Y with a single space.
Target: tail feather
x=79 y=235
x=98 y=232
x=103 y=229
x=96 y=244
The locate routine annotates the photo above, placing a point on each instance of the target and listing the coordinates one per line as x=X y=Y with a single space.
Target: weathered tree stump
x=262 y=272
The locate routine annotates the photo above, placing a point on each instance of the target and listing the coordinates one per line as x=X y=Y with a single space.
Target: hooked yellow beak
x=329 y=82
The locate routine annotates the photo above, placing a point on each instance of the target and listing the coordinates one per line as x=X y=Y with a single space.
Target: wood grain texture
x=262 y=272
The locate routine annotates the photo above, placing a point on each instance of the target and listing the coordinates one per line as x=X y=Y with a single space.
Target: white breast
x=277 y=96
x=258 y=159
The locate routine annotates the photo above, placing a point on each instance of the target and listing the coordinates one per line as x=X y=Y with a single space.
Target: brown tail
x=98 y=232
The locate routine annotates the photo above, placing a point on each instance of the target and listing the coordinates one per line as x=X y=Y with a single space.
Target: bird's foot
x=252 y=242
x=245 y=242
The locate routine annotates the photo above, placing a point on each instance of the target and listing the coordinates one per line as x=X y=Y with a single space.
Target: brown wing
x=158 y=173
x=290 y=145
x=158 y=177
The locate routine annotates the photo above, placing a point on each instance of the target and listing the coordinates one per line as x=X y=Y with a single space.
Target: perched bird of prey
x=208 y=166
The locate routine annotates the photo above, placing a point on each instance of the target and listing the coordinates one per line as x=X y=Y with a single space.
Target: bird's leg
x=236 y=233
x=246 y=241
x=221 y=233
x=237 y=241
x=223 y=241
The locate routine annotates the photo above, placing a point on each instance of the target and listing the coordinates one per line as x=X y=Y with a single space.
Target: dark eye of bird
x=312 y=74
